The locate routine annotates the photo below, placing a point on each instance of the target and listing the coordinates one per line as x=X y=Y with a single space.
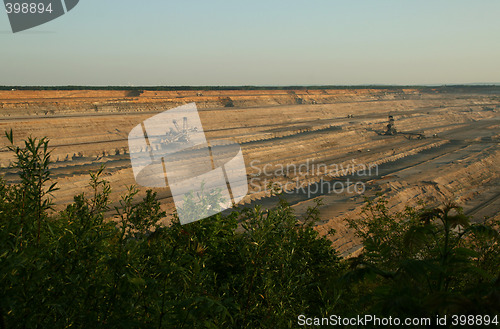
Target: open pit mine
x=338 y=145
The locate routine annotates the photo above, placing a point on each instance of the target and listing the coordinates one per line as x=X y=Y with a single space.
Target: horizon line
x=322 y=86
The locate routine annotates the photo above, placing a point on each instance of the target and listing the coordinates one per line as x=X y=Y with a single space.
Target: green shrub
x=253 y=268
x=424 y=262
x=250 y=269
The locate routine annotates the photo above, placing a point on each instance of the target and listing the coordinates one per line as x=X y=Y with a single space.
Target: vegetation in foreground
x=251 y=269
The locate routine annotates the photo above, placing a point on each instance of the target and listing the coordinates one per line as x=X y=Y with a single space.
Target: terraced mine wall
x=455 y=159
x=42 y=103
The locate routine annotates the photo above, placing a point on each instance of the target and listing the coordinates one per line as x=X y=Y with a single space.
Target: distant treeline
x=443 y=89
x=176 y=88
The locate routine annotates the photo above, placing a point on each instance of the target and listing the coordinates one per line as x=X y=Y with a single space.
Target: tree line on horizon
x=442 y=88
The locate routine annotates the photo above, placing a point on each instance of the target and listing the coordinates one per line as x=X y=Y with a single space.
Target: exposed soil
x=448 y=148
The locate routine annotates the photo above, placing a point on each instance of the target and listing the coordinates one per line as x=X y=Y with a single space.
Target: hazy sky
x=289 y=42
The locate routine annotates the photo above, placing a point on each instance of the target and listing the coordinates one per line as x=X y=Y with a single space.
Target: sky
x=272 y=42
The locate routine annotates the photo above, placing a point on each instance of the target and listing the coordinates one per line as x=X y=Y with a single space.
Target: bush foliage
x=253 y=268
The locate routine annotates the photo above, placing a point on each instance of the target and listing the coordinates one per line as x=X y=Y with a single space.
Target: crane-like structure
x=391 y=131
x=179 y=135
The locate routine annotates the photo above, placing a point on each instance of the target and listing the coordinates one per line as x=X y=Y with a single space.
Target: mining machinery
x=391 y=128
x=392 y=131
x=179 y=135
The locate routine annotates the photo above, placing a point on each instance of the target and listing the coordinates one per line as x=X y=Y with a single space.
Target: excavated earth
x=310 y=144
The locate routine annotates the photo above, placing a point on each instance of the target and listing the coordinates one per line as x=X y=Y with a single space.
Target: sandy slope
x=280 y=129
